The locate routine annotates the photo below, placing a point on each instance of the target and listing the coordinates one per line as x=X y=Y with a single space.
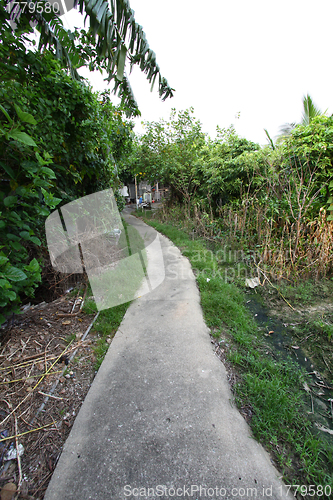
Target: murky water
x=281 y=341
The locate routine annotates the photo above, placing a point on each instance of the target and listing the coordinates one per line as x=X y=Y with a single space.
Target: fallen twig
x=27 y=362
x=286 y=301
x=49 y=395
x=26 y=432
x=78 y=312
x=12 y=354
x=323 y=386
x=306 y=338
x=30 y=376
x=41 y=379
x=71 y=357
x=77 y=296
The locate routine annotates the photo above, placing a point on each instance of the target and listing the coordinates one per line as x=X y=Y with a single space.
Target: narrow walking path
x=158 y=421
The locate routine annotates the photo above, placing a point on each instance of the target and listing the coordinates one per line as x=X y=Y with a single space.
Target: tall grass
x=278 y=246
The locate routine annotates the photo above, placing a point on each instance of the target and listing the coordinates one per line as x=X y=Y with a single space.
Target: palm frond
x=286 y=129
x=270 y=140
x=310 y=110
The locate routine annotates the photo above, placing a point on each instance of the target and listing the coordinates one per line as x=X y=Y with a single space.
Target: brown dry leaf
x=8 y=491
x=66 y=322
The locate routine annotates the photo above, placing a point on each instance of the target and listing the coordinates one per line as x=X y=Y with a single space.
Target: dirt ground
x=47 y=367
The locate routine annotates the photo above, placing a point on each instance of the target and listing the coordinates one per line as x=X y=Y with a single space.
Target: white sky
x=222 y=57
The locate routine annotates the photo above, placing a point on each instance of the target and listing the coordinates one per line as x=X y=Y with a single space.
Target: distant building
x=148 y=192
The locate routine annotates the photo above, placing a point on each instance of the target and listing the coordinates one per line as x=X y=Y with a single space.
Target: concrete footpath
x=158 y=421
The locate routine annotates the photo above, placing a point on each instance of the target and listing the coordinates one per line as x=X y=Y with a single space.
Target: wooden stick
x=26 y=432
x=41 y=379
x=74 y=314
x=49 y=395
x=323 y=385
x=306 y=338
x=27 y=362
x=30 y=376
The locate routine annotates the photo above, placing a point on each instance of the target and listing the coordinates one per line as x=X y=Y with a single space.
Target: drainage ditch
x=281 y=341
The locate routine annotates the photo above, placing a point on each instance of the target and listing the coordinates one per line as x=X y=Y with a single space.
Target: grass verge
x=268 y=389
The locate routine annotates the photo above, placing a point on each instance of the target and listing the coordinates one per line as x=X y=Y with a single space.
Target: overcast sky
x=222 y=57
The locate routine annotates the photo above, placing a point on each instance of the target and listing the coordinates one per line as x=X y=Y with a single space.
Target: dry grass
x=285 y=248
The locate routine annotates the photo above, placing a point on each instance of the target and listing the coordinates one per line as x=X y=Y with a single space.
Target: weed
x=307 y=292
x=70 y=338
x=89 y=306
x=105 y=327
x=324 y=328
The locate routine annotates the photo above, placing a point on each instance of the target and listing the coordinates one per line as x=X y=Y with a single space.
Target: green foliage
x=113 y=37
x=58 y=141
x=14 y=281
x=178 y=153
x=19 y=218
x=312 y=145
x=168 y=152
x=310 y=110
x=275 y=200
x=229 y=167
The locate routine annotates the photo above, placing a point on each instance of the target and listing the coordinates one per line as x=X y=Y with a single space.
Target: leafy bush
x=23 y=208
x=58 y=141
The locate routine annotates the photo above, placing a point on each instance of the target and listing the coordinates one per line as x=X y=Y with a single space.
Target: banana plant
x=116 y=36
